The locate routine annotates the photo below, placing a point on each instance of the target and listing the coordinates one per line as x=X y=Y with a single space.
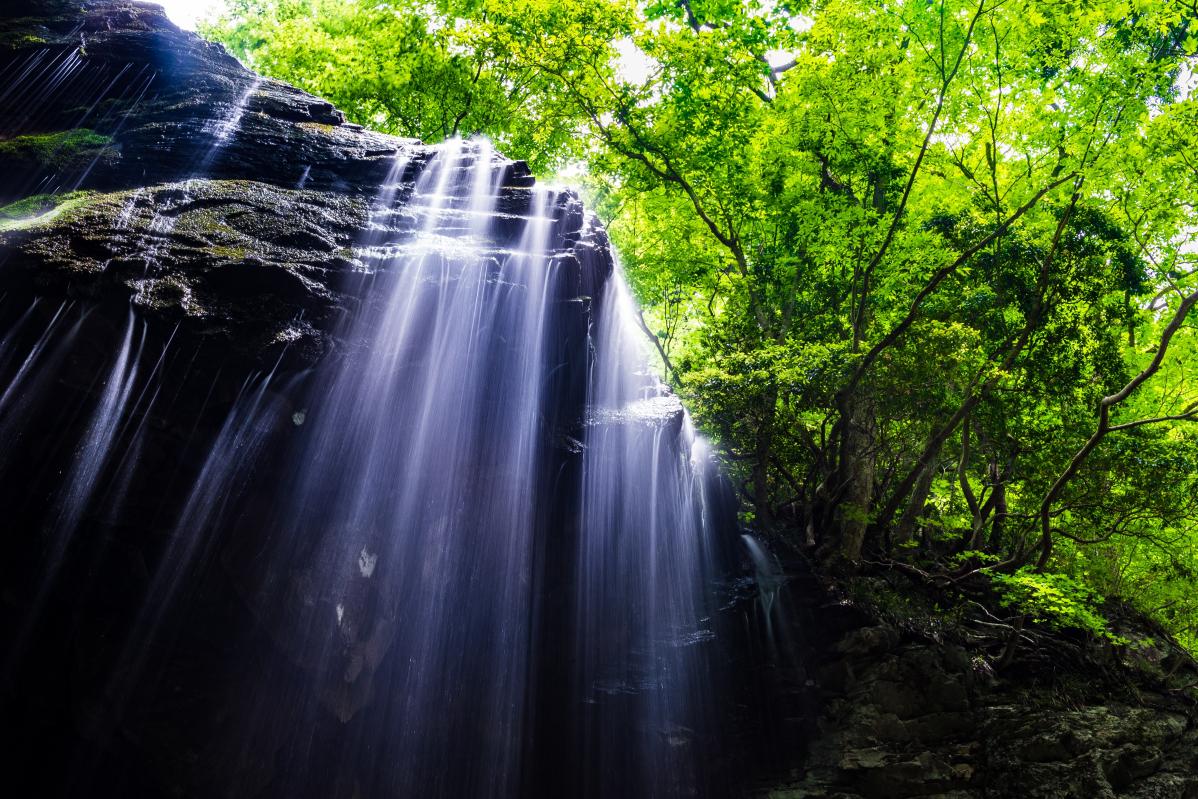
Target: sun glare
x=187 y=13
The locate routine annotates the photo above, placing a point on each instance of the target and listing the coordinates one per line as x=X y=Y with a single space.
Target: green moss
x=58 y=150
x=18 y=39
x=40 y=208
x=230 y=253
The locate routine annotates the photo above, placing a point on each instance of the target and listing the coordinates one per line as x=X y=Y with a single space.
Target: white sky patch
x=571 y=171
x=633 y=65
x=1186 y=83
x=1187 y=79
x=569 y=175
x=801 y=23
x=187 y=13
x=777 y=58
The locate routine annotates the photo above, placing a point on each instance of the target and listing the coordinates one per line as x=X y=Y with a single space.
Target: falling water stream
x=474 y=553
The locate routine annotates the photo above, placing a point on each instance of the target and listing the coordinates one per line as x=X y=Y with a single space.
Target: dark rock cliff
x=915 y=690
x=143 y=162
x=172 y=228
x=145 y=168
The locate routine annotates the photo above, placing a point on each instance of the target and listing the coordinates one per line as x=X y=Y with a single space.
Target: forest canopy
x=924 y=271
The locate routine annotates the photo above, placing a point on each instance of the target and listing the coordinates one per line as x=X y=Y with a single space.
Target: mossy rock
x=17 y=38
x=235 y=259
x=41 y=209
x=62 y=150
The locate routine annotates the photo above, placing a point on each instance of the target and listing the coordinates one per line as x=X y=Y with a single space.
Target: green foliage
x=60 y=150
x=1056 y=600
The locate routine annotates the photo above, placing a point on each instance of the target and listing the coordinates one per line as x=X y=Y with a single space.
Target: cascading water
x=398 y=574
x=645 y=577
x=770 y=579
x=471 y=552
x=45 y=80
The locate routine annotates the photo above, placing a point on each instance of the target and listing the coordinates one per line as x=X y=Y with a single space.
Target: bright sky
x=186 y=13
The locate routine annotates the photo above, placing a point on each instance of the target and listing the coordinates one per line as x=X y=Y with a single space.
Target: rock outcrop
x=915 y=693
x=142 y=162
x=175 y=234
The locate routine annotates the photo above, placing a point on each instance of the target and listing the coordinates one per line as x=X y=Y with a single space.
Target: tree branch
x=1104 y=427
x=940 y=276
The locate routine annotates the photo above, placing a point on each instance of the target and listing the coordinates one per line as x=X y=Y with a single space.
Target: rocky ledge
x=144 y=163
x=916 y=691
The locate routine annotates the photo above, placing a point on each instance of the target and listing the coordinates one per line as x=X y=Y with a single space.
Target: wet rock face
x=144 y=163
x=909 y=713
x=172 y=228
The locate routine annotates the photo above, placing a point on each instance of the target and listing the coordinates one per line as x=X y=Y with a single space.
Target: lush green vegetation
x=61 y=150
x=40 y=208
x=924 y=269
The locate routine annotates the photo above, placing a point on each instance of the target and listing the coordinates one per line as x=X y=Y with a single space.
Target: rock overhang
x=235 y=206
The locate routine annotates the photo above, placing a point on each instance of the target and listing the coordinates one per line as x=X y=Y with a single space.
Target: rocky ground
x=917 y=693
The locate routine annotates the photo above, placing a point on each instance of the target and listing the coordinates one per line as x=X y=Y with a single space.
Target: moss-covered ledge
x=41 y=209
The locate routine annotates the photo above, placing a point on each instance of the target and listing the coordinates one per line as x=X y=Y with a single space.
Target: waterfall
x=470 y=553
x=644 y=573
x=770 y=580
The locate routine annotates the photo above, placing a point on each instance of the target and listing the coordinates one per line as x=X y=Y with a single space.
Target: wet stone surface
x=142 y=162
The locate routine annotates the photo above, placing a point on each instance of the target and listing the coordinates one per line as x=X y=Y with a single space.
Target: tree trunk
x=857 y=467
x=1000 y=507
x=763 y=448
x=916 y=508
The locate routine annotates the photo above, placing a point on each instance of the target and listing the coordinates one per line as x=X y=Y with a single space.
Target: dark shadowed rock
x=915 y=705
